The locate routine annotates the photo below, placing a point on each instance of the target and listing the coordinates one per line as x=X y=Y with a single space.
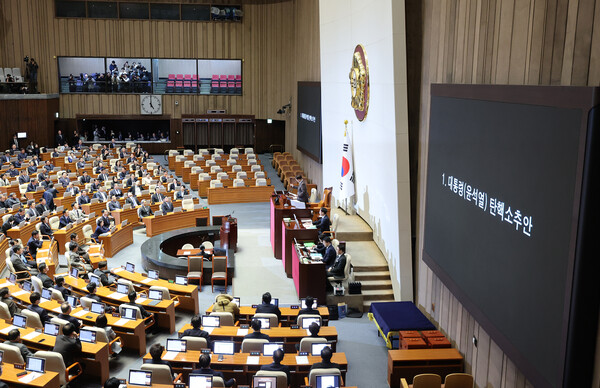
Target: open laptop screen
x=181 y=280
x=223 y=347
x=130 y=267
x=328 y=381
x=51 y=329
x=175 y=345
x=155 y=294
x=200 y=381
x=315 y=349
x=152 y=274
x=72 y=300
x=306 y=322
x=211 y=321
x=47 y=294
x=122 y=288
x=129 y=313
x=88 y=336
x=270 y=347
x=74 y=272
x=97 y=308
x=35 y=364
x=140 y=377
x=265 y=323
x=303 y=302
x=20 y=321
x=264 y=381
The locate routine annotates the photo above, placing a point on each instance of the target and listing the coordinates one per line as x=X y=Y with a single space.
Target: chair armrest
x=306 y=381
x=175 y=300
x=75 y=364
x=237 y=323
x=178 y=378
x=149 y=321
x=403 y=383
x=44 y=237
x=112 y=342
x=330 y=233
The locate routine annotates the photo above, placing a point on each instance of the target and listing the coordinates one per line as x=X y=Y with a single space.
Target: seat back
x=259 y=175
x=261 y=182
x=59 y=322
x=87 y=231
x=273 y=320
x=37 y=284
x=187 y=204
x=57 y=295
x=9 y=263
x=241 y=175
x=281 y=377
x=218 y=382
x=23 y=188
x=306 y=316
x=219 y=264
x=222 y=175
x=458 y=380
x=208 y=245
x=334 y=222
x=238 y=183
x=306 y=343
x=225 y=318
x=195 y=343
x=312 y=376
x=427 y=380
x=236 y=168
x=12 y=354
x=231 y=162
x=4 y=312
x=215 y=183
x=234 y=151
x=165 y=291
x=126 y=282
x=195 y=264
x=100 y=333
x=33 y=319
x=255 y=168
x=253 y=344
x=187 y=246
x=86 y=302
x=313 y=195
x=161 y=374
x=54 y=363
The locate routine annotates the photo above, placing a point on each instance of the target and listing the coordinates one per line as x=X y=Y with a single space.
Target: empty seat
x=259 y=175
x=222 y=176
x=215 y=183
x=215 y=169
x=236 y=168
x=241 y=175
x=238 y=183
x=261 y=182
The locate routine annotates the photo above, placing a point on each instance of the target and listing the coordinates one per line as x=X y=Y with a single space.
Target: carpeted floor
x=258 y=271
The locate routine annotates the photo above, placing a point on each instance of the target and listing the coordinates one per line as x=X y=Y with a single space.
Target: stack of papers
x=169 y=356
x=118 y=269
x=115 y=295
x=241 y=332
x=79 y=313
x=7 y=329
x=147 y=280
x=19 y=293
x=31 y=335
x=208 y=329
x=302 y=360
x=253 y=360
x=121 y=322
x=28 y=378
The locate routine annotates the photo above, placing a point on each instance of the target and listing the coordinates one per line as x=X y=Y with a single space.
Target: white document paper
x=169 y=356
x=80 y=313
x=187 y=253
x=253 y=360
x=147 y=280
x=118 y=269
x=140 y=300
x=208 y=329
x=121 y=322
x=301 y=360
x=7 y=329
x=28 y=378
x=6 y=284
x=115 y=295
x=241 y=332
x=31 y=335
x=57 y=310
x=17 y=293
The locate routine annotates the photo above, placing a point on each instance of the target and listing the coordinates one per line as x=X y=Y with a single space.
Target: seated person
x=60 y=286
x=145 y=210
x=167 y=206
x=326 y=354
x=322 y=223
x=100 y=229
x=268 y=308
x=104 y=274
x=256 y=334
x=309 y=310
x=196 y=331
x=45 y=228
x=14 y=339
x=102 y=323
x=64 y=219
x=314 y=329
x=224 y=303
x=337 y=268
x=34 y=298
x=65 y=309
x=76 y=261
x=91 y=289
x=114 y=204
x=10 y=303
x=276 y=365
x=20 y=216
x=68 y=344
x=47 y=281
x=156 y=352
x=76 y=213
x=132 y=297
x=19 y=262
x=204 y=364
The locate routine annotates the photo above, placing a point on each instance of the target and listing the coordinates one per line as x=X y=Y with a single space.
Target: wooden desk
x=95 y=356
x=89 y=208
x=309 y=278
x=220 y=195
x=46 y=380
x=290 y=337
x=173 y=221
x=62 y=236
x=288 y=315
x=23 y=233
x=8 y=190
x=164 y=312
x=203 y=186
x=122 y=237
x=129 y=215
x=289 y=232
x=132 y=332
x=188 y=295
x=3 y=248
x=49 y=255
x=407 y=363
x=278 y=213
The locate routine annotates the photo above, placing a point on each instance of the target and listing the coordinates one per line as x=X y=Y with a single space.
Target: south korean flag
x=347 y=177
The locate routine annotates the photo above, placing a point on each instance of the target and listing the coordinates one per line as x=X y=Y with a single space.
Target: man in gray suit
x=14 y=339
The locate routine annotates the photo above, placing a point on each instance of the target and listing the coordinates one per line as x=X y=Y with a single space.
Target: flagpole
x=345 y=134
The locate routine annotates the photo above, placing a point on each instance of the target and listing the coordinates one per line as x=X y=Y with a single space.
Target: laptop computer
x=275 y=302
x=181 y=280
x=211 y=321
x=315 y=349
x=223 y=348
x=35 y=364
x=97 y=308
x=265 y=323
x=328 y=381
x=129 y=267
x=20 y=321
x=156 y=296
x=152 y=274
x=122 y=288
x=264 y=381
x=1 y=356
x=74 y=272
x=73 y=301
x=47 y=294
x=237 y=300
x=87 y=335
x=200 y=381
x=270 y=347
x=306 y=322
x=12 y=278
x=128 y=313
x=51 y=329
x=140 y=377
x=95 y=279
x=26 y=285
x=176 y=345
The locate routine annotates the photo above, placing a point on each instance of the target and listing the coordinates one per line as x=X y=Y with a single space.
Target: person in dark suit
x=256 y=334
x=83 y=198
x=325 y=363
x=266 y=306
x=42 y=206
x=24 y=178
x=106 y=217
x=45 y=228
x=33 y=185
x=60 y=286
x=8 y=300
x=167 y=206
x=204 y=364
x=85 y=178
x=276 y=365
x=101 y=228
x=49 y=196
x=12 y=171
x=9 y=223
x=41 y=176
x=34 y=243
x=180 y=193
x=114 y=204
x=132 y=297
x=14 y=339
x=22 y=155
x=48 y=166
x=132 y=200
x=156 y=352
x=116 y=191
x=309 y=309
x=91 y=289
x=32 y=168
x=20 y=264
x=64 y=180
x=157 y=197
x=337 y=268
x=302 y=194
x=13 y=200
x=65 y=314
x=80 y=163
x=60 y=140
x=20 y=216
x=145 y=210
x=5 y=158
x=34 y=298
x=101 y=194
x=68 y=344
x=47 y=281
x=329 y=256
x=323 y=224
x=104 y=274
x=196 y=331
x=64 y=220
x=74 y=190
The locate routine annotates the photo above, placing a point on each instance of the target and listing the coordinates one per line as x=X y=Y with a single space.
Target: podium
x=229 y=233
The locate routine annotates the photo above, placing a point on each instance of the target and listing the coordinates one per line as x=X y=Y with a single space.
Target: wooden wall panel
x=36 y=117
x=533 y=42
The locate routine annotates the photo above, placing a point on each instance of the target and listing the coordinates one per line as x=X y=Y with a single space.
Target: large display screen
x=309 y=119
x=504 y=181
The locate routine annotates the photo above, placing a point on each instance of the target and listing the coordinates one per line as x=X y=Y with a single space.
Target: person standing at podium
x=302 y=194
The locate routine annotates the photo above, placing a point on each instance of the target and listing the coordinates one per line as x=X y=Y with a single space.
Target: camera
x=26 y=59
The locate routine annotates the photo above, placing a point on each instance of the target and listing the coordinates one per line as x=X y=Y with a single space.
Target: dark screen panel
x=309 y=119
x=70 y=9
x=103 y=10
x=134 y=10
x=502 y=210
x=164 y=11
x=195 y=12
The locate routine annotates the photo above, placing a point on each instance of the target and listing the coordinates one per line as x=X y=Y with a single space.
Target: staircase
x=370 y=266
